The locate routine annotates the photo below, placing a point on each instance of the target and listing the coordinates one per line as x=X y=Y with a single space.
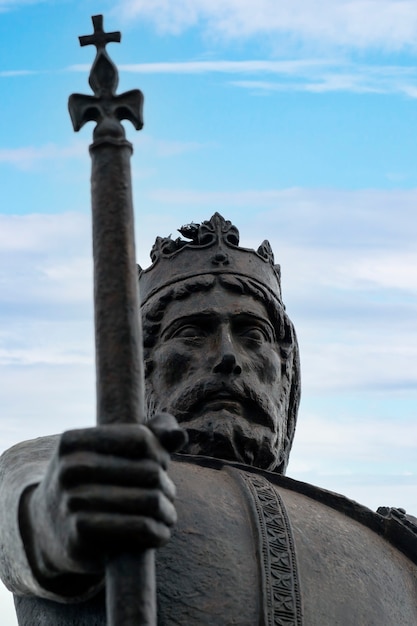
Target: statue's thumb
x=165 y=427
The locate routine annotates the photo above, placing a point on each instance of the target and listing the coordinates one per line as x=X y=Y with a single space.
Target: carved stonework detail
x=278 y=563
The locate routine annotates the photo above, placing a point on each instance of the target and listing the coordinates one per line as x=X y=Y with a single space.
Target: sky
x=297 y=120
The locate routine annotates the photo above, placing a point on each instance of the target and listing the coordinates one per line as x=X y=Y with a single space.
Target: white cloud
x=359 y=457
x=39 y=232
x=45 y=266
x=381 y=269
x=289 y=67
x=353 y=79
x=31 y=157
x=10 y=73
x=328 y=218
x=362 y=437
x=387 y=24
x=27 y=157
x=165 y=148
x=360 y=360
x=310 y=75
x=37 y=342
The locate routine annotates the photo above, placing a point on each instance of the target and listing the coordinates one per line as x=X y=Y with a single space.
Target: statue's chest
x=253 y=549
x=249 y=552
x=209 y=573
x=231 y=559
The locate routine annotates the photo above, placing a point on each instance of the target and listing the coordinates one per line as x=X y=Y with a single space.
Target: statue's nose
x=227 y=362
x=227 y=365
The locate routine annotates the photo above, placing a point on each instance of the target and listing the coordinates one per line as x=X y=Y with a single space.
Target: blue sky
x=297 y=120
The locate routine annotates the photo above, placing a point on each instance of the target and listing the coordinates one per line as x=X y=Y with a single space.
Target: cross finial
x=106 y=108
x=99 y=38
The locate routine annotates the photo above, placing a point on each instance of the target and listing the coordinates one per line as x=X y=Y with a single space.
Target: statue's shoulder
x=28 y=455
x=301 y=538
x=393 y=524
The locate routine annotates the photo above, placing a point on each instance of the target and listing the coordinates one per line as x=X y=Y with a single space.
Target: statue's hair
x=153 y=313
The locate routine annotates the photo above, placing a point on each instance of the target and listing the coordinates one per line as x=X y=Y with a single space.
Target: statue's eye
x=255 y=333
x=190 y=331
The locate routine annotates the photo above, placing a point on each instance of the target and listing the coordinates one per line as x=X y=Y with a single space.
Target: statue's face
x=217 y=368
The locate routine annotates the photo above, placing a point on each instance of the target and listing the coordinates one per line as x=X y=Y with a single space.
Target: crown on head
x=211 y=247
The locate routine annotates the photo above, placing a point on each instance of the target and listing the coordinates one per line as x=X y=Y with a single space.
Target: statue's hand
x=106 y=490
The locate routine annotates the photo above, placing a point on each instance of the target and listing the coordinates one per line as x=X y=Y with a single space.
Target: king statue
x=237 y=542
x=250 y=546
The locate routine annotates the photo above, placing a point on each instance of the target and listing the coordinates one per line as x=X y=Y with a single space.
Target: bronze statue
x=250 y=545
x=238 y=542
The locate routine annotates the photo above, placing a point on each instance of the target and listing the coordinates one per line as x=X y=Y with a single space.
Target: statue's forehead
x=218 y=302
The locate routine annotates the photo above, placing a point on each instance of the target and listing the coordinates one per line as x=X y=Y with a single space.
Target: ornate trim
x=278 y=563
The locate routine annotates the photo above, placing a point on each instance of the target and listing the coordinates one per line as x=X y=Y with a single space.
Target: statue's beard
x=229 y=421
x=232 y=440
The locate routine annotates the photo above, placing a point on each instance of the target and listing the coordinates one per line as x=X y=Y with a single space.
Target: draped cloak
x=251 y=548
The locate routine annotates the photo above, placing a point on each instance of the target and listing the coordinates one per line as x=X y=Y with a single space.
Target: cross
x=99 y=38
x=105 y=107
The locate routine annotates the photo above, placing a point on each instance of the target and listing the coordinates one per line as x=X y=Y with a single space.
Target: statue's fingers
x=132 y=441
x=100 y=499
x=166 y=428
x=111 y=532
x=90 y=468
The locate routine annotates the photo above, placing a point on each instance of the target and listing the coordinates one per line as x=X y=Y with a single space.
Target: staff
x=130 y=578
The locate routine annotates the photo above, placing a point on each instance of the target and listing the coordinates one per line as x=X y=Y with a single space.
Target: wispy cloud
x=386 y=24
x=166 y=148
x=330 y=218
x=28 y=157
x=45 y=263
x=313 y=75
x=358 y=457
x=288 y=67
x=352 y=80
x=11 y=73
x=43 y=233
x=31 y=157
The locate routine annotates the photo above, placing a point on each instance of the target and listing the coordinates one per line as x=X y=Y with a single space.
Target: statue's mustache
x=193 y=398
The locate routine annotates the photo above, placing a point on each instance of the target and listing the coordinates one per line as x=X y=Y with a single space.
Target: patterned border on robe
x=278 y=564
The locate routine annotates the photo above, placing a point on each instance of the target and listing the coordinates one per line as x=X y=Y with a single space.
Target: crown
x=211 y=247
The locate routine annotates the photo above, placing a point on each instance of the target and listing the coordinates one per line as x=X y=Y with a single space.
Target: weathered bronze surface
x=253 y=547
x=250 y=546
x=244 y=545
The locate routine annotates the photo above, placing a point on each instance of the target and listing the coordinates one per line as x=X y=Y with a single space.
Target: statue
x=250 y=546
x=238 y=542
